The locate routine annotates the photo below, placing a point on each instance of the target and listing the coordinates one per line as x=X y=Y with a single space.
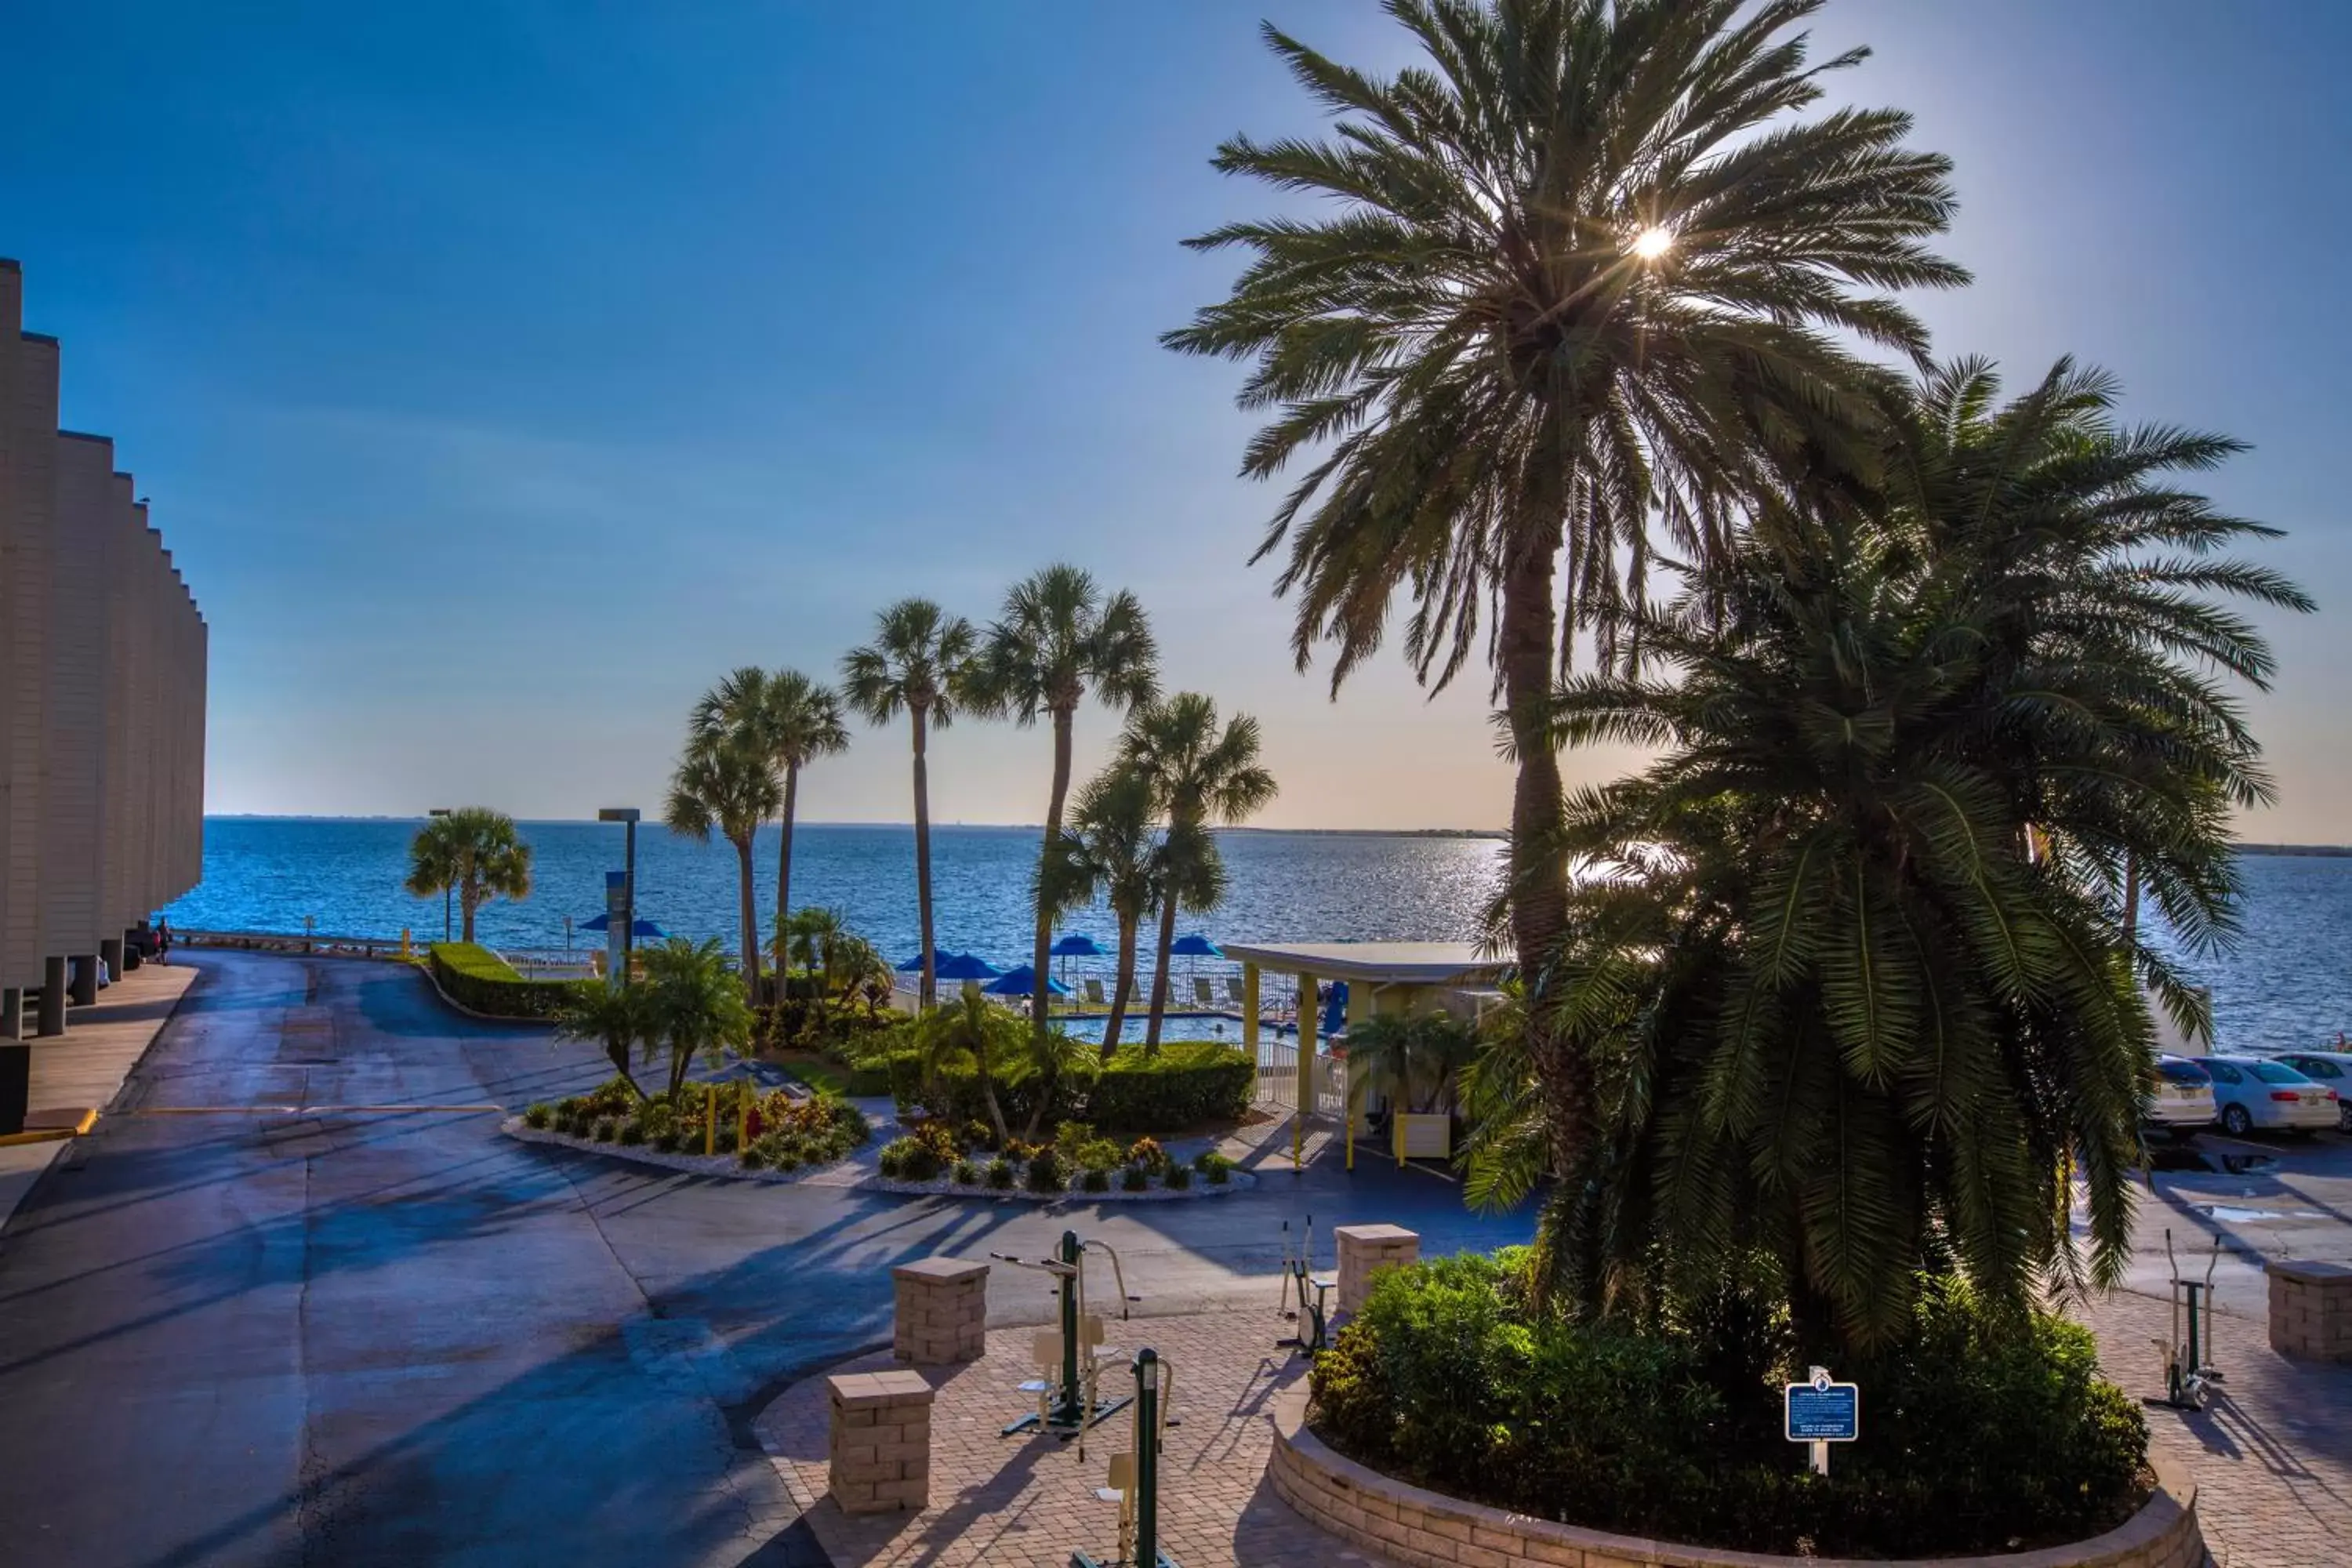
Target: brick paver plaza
x=2273 y=1456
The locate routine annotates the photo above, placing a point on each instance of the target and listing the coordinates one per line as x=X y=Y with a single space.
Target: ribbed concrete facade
x=102 y=658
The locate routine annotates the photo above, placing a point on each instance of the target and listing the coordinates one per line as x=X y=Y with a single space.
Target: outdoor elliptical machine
x=2188 y=1381
x=1298 y=1276
x=1135 y=1475
x=1069 y=1358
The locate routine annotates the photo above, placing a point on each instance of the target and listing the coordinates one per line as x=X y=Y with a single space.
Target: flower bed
x=753 y=1132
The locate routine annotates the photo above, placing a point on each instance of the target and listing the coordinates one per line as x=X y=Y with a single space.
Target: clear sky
x=502 y=373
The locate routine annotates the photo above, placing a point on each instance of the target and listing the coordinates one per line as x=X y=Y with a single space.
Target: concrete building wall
x=103 y=654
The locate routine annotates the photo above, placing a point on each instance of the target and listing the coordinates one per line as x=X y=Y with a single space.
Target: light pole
x=447 y=929
x=626 y=813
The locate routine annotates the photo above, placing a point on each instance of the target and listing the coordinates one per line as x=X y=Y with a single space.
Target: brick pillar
x=942 y=1311
x=110 y=953
x=2311 y=1309
x=52 y=1020
x=84 y=988
x=1364 y=1248
x=131 y=955
x=880 y=1442
x=11 y=1012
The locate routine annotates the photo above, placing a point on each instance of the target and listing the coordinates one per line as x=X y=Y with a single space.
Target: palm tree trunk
x=751 y=918
x=467 y=893
x=1041 y=952
x=1527 y=650
x=929 y=991
x=1160 y=976
x=784 y=877
x=617 y=1052
x=1123 y=987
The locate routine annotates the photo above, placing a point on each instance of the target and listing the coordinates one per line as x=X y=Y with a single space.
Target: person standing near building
x=162 y=941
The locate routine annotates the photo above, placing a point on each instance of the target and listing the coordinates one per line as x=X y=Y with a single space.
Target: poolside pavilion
x=1383 y=979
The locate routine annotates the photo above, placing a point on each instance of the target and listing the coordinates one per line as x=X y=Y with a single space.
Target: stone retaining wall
x=1427 y=1530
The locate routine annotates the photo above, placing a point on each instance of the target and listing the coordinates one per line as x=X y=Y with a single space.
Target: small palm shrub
x=1216 y=1167
x=753 y=1157
x=1177 y=1178
x=539 y=1115
x=603 y=1129
x=633 y=1133
x=965 y=1174
x=1094 y=1154
x=1000 y=1174
x=1096 y=1181
x=910 y=1160
x=1135 y=1179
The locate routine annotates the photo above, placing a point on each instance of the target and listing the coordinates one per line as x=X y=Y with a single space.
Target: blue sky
x=503 y=373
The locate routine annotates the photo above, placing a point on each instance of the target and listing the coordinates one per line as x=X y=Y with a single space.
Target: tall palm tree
x=1583 y=279
x=1858 y=959
x=1202 y=775
x=919 y=664
x=1110 y=850
x=1057 y=637
x=476 y=850
x=693 y=1005
x=725 y=786
x=790 y=719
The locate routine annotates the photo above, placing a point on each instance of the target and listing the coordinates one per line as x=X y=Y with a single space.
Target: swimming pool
x=1226 y=1027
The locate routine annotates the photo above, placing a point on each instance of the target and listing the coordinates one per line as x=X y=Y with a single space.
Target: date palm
x=693 y=1006
x=1058 y=638
x=477 y=852
x=1858 y=968
x=1203 y=775
x=919 y=664
x=790 y=719
x=724 y=785
x=1587 y=266
x=614 y=1016
x=1110 y=850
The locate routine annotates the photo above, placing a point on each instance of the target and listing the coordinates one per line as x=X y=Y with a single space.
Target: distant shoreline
x=2325 y=851
x=991 y=827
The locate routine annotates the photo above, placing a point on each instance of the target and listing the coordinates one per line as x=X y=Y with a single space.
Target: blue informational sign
x=1824 y=1412
x=616 y=894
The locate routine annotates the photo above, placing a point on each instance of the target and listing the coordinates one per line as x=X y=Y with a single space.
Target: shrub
x=1047 y=1173
x=632 y=1132
x=1177 y=1178
x=475 y=978
x=1984 y=1427
x=1187 y=1083
x=909 y=1160
x=1135 y=1179
x=1146 y=1155
x=978 y=1135
x=1094 y=1154
x=603 y=1129
x=664 y=1141
x=1096 y=1180
x=753 y=1158
x=539 y=1115
x=965 y=1174
x=1214 y=1166
x=1000 y=1174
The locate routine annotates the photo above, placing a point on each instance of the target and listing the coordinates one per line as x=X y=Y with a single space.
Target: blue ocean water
x=2287 y=984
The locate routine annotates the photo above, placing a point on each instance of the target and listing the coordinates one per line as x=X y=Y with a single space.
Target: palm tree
x=614 y=1017
x=791 y=721
x=1057 y=637
x=809 y=939
x=477 y=851
x=1202 y=775
x=973 y=1026
x=919 y=664
x=1584 y=275
x=724 y=785
x=693 y=1005
x=856 y=968
x=1110 y=850
x=1855 y=961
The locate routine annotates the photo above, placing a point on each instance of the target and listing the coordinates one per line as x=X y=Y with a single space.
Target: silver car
x=2329 y=1069
x=2256 y=1091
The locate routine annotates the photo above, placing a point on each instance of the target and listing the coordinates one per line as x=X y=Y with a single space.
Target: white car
x=2181 y=1104
x=2329 y=1069
x=2255 y=1091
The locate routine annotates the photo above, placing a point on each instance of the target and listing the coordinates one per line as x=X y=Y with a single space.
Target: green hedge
x=473 y=976
x=1189 y=1082
x=1980 y=1431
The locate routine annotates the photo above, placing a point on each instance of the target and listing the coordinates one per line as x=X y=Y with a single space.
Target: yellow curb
x=42 y=1135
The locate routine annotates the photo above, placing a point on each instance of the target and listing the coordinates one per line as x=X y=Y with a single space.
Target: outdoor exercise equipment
x=1069 y=1357
x=2187 y=1379
x=1297 y=1277
x=1135 y=1475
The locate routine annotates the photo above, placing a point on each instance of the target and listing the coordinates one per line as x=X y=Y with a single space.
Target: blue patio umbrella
x=1074 y=946
x=965 y=966
x=638 y=927
x=914 y=966
x=1022 y=981
x=1193 y=944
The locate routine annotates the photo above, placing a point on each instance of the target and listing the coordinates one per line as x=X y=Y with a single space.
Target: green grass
x=826 y=1078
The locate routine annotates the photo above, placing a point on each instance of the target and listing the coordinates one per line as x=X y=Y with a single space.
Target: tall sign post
x=626 y=921
x=1822 y=1411
x=617 y=925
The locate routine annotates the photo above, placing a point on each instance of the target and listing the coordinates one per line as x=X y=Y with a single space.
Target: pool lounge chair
x=1233 y=990
x=1094 y=994
x=1202 y=995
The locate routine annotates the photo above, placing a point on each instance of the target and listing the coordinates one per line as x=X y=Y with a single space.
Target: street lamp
x=626 y=813
x=447 y=929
